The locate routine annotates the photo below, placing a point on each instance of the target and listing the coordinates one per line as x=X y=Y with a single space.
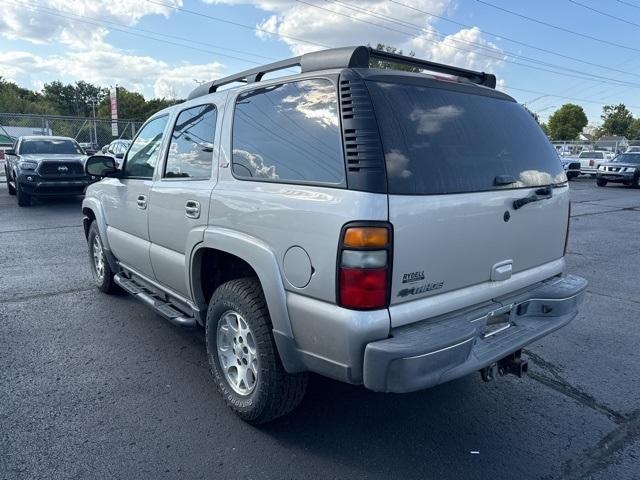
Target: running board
x=164 y=308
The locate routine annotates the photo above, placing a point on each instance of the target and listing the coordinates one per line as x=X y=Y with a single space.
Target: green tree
x=133 y=106
x=545 y=129
x=375 y=63
x=567 y=122
x=616 y=120
x=634 y=130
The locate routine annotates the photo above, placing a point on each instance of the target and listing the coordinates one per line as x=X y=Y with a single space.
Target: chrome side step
x=147 y=296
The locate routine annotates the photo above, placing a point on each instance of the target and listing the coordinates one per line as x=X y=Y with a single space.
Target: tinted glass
x=191 y=149
x=64 y=147
x=144 y=152
x=289 y=133
x=628 y=158
x=440 y=141
x=599 y=155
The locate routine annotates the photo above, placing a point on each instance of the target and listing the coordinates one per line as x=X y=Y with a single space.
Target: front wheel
x=243 y=356
x=601 y=182
x=10 y=188
x=636 y=182
x=24 y=199
x=102 y=273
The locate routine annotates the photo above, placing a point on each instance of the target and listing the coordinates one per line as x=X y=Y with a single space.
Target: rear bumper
x=435 y=351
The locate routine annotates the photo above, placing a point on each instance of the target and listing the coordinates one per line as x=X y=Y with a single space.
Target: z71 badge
x=427 y=287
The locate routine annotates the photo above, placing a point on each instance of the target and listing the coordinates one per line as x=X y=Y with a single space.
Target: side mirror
x=100 y=166
x=119 y=155
x=10 y=151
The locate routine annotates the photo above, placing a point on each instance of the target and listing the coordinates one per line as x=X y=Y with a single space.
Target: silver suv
x=379 y=227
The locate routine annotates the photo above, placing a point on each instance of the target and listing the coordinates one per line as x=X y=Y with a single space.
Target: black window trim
x=126 y=155
x=334 y=79
x=166 y=155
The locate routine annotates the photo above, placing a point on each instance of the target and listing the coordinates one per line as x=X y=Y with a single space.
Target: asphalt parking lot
x=96 y=386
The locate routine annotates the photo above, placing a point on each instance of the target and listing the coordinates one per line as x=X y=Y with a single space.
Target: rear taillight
x=566 y=236
x=364 y=265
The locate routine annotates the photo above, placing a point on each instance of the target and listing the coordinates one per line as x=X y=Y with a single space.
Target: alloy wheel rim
x=98 y=258
x=237 y=353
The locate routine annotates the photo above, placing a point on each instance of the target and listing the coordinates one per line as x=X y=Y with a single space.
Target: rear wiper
x=540 y=194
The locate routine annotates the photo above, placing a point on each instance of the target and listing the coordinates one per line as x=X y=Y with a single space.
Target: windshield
x=64 y=147
x=628 y=158
x=440 y=141
x=592 y=155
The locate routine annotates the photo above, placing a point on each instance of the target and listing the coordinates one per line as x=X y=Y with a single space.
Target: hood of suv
x=52 y=157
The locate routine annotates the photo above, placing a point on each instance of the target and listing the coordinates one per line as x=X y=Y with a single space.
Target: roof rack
x=345 y=57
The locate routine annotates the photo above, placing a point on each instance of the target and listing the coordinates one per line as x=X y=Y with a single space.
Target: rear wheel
x=243 y=356
x=102 y=273
x=601 y=182
x=24 y=199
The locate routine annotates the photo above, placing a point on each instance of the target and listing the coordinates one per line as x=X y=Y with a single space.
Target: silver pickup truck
x=392 y=229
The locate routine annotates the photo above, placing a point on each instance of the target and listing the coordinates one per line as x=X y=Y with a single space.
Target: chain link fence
x=99 y=130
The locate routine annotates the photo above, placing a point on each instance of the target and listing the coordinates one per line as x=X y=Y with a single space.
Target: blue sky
x=155 y=48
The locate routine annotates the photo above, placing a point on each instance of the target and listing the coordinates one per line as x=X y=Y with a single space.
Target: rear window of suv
x=439 y=141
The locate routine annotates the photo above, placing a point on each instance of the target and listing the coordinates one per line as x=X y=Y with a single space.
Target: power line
x=563 y=97
x=604 y=13
x=562 y=29
x=92 y=21
x=237 y=24
x=579 y=75
x=517 y=42
x=628 y=3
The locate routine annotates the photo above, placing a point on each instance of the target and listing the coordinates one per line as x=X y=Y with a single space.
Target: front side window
x=289 y=133
x=191 y=150
x=145 y=150
x=50 y=147
x=440 y=141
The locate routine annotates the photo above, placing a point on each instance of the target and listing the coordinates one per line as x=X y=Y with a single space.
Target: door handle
x=192 y=209
x=142 y=201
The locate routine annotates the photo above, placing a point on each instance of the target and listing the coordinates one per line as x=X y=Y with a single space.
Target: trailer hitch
x=510 y=365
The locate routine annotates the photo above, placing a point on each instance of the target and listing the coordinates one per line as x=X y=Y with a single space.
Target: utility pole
x=95 y=129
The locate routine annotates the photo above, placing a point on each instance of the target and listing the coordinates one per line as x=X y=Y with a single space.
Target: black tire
x=275 y=392
x=24 y=199
x=636 y=182
x=105 y=281
x=601 y=182
x=10 y=188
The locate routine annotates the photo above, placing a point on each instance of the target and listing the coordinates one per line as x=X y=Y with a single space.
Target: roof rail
x=345 y=57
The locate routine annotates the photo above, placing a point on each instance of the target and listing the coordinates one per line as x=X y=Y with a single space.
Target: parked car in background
x=589 y=161
x=308 y=231
x=634 y=149
x=117 y=149
x=571 y=167
x=45 y=165
x=625 y=169
x=89 y=147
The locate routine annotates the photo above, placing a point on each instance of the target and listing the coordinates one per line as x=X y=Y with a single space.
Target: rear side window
x=191 y=149
x=439 y=141
x=289 y=133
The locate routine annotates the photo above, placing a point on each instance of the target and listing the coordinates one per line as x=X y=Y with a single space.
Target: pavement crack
x=626 y=299
x=25 y=298
x=625 y=209
x=599 y=456
x=555 y=381
x=39 y=228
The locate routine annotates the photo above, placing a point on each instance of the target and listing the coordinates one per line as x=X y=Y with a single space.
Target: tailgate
x=444 y=243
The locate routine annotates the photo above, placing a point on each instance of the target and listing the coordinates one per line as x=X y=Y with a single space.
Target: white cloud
x=109 y=66
x=344 y=22
x=68 y=21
